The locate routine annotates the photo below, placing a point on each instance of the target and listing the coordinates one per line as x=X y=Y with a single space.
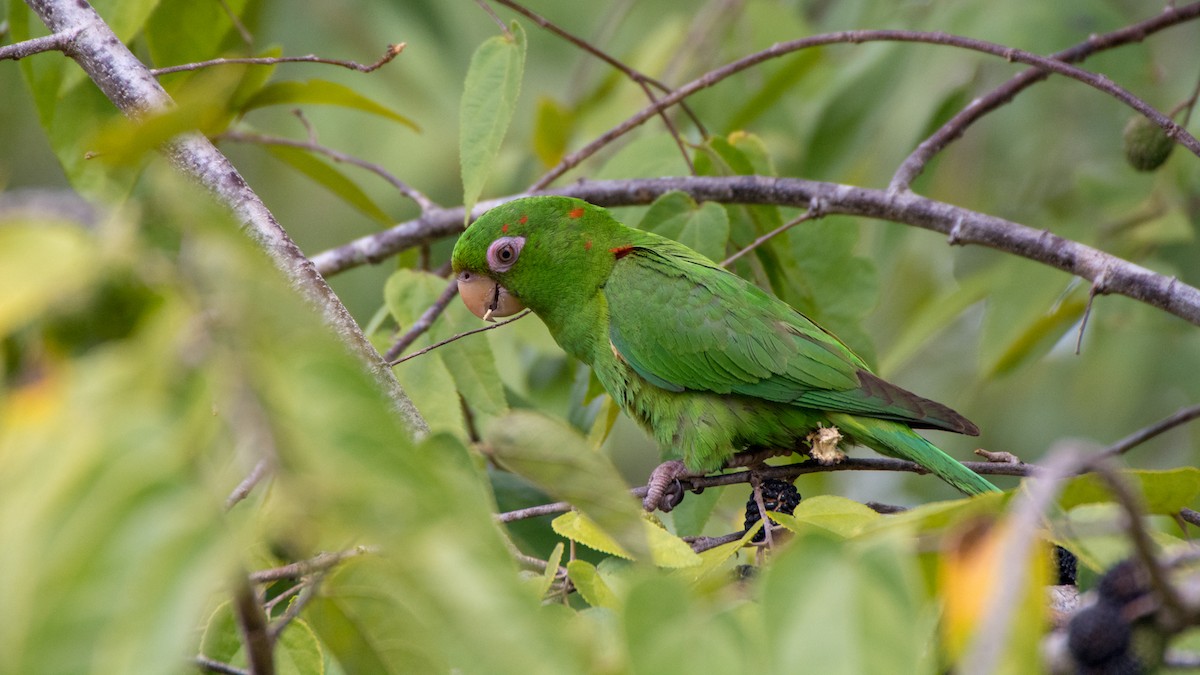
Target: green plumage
x=707 y=362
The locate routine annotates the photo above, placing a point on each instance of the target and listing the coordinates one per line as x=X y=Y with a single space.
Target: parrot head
x=535 y=252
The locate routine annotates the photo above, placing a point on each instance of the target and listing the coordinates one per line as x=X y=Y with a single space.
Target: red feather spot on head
x=620 y=251
x=576 y=212
x=504 y=227
x=523 y=219
x=587 y=245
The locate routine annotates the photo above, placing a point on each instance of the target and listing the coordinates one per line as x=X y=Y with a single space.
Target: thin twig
x=1190 y=516
x=702 y=544
x=302 y=568
x=1096 y=289
x=495 y=17
x=392 y=52
x=448 y=340
x=307 y=593
x=756 y=486
x=1181 y=416
x=810 y=214
x=336 y=155
x=55 y=42
x=915 y=163
x=237 y=23
x=639 y=78
x=215 y=666
x=1142 y=544
x=243 y=489
x=424 y=322
x=712 y=77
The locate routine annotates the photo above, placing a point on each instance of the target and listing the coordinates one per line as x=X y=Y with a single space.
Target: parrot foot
x=664 y=489
x=824 y=446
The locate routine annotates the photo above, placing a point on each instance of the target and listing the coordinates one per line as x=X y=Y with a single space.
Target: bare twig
x=336 y=155
x=710 y=78
x=448 y=340
x=642 y=80
x=260 y=471
x=702 y=544
x=424 y=323
x=307 y=593
x=812 y=213
x=55 y=42
x=213 y=666
x=915 y=163
x=971 y=227
x=392 y=52
x=1181 y=416
x=495 y=17
x=302 y=568
x=237 y=23
x=1190 y=516
x=756 y=486
x=252 y=623
x=533 y=512
x=1142 y=544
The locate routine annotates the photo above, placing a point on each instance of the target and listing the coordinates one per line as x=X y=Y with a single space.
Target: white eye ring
x=503 y=253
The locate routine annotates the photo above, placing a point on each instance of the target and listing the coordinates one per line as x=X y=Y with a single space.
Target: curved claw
x=664 y=489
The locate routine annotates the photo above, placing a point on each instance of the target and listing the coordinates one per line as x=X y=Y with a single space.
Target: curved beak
x=485 y=298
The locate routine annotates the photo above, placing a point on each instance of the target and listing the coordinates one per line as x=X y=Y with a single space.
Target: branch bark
x=1110 y=274
x=135 y=92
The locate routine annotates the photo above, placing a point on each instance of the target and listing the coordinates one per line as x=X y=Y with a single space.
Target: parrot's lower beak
x=485 y=298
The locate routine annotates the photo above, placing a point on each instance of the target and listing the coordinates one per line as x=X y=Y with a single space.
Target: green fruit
x=1146 y=144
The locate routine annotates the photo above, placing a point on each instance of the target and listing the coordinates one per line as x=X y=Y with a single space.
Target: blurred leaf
x=609 y=412
x=1039 y=336
x=40 y=265
x=703 y=228
x=938 y=515
x=831 y=608
x=488 y=103
x=321 y=92
x=1162 y=492
x=714 y=559
x=331 y=179
x=182 y=31
x=591 y=586
x=669 y=630
x=555 y=458
x=221 y=640
x=551 y=131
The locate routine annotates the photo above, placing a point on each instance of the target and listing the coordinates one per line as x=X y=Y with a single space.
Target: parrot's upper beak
x=485 y=298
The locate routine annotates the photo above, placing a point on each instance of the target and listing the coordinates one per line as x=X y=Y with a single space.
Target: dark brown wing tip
x=925 y=413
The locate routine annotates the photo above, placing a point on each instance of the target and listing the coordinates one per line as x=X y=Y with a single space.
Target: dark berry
x=777 y=495
x=1098 y=634
x=1123 y=583
x=1067 y=564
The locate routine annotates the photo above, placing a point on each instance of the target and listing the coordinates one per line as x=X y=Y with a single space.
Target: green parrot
x=709 y=364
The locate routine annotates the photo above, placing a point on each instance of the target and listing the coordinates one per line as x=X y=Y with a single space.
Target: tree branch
x=915 y=163
x=133 y=90
x=319 y=563
x=1181 y=416
x=214 y=666
x=962 y=226
x=710 y=78
x=252 y=623
x=424 y=322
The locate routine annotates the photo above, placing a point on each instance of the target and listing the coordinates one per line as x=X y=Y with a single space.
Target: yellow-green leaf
x=1163 y=492
x=583 y=530
x=591 y=586
x=551 y=130
x=841 y=516
x=38 y=265
x=488 y=103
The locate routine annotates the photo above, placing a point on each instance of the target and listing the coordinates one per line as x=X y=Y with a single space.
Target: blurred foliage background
x=134 y=349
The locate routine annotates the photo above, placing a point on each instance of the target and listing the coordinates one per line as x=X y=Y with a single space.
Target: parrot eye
x=503 y=253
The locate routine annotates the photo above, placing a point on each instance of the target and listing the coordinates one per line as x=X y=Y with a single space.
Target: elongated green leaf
x=551 y=131
x=297 y=651
x=322 y=92
x=841 y=516
x=704 y=228
x=557 y=459
x=552 y=564
x=331 y=179
x=488 y=103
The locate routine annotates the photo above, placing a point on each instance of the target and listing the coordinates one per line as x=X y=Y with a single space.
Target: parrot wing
x=683 y=323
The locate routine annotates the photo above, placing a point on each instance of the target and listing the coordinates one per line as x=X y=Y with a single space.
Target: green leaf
x=221 y=640
x=551 y=572
x=591 y=586
x=558 y=460
x=940 y=515
x=841 y=516
x=832 y=608
x=321 y=92
x=677 y=216
x=331 y=179
x=666 y=550
x=669 y=629
x=1163 y=492
x=715 y=559
x=297 y=651
x=182 y=31
x=488 y=103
